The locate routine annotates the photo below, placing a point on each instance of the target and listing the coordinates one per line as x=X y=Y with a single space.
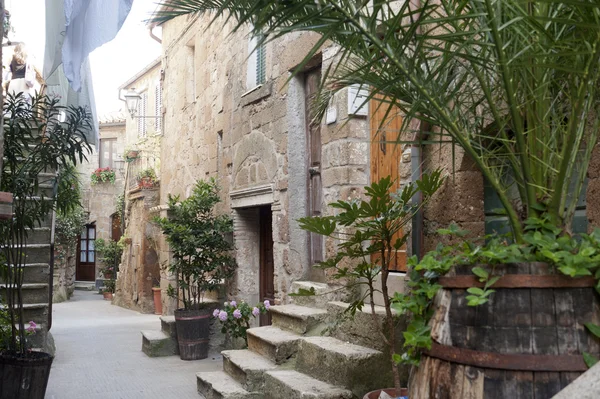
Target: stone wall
x=139 y=264
x=253 y=140
x=64 y=272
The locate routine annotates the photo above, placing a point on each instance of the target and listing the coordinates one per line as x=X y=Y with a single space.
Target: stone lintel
x=252 y=196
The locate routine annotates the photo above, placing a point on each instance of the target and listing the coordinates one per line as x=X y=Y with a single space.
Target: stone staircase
x=292 y=359
x=36 y=271
x=162 y=342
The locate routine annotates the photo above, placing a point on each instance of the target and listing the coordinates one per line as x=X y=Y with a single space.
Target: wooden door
x=385 y=158
x=86 y=261
x=313 y=136
x=115 y=224
x=267 y=268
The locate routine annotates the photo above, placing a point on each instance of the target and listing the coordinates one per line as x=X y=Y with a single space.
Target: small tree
x=369 y=232
x=201 y=253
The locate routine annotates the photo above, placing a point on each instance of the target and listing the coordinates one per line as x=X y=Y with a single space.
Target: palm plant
x=512 y=82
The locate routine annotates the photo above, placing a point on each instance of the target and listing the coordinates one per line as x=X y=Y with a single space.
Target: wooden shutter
x=313 y=138
x=260 y=64
x=142 y=107
x=385 y=159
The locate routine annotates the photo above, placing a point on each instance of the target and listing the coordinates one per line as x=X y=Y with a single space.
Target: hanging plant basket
x=131 y=155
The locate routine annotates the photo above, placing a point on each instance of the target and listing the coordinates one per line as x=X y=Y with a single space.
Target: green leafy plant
x=103 y=175
x=543 y=243
x=235 y=317
x=202 y=257
x=109 y=286
x=110 y=253
x=146 y=178
x=131 y=155
x=369 y=232
x=35 y=144
x=513 y=83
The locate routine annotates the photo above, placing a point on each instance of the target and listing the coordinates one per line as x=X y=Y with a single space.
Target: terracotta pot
x=107 y=275
x=108 y=296
x=389 y=391
x=157 y=300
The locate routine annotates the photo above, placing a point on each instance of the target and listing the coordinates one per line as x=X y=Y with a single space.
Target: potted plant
x=202 y=260
x=103 y=175
x=496 y=79
x=109 y=252
x=131 y=155
x=24 y=373
x=146 y=178
x=108 y=290
x=157 y=295
x=369 y=232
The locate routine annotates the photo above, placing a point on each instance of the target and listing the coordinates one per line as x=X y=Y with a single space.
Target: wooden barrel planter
x=193 y=330
x=24 y=376
x=527 y=341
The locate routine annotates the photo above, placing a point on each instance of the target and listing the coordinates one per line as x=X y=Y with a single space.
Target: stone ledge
x=257 y=94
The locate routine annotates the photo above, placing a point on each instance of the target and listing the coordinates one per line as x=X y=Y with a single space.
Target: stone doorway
x=267 y=267
x=255 y=277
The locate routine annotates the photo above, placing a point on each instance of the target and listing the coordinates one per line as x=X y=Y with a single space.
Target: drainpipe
x=151 y=31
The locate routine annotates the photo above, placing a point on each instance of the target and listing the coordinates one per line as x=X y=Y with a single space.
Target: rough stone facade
x=140 y=269
x=252 y=138
x=64 y=273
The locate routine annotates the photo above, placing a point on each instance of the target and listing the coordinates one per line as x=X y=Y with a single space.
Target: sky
x=112 y=64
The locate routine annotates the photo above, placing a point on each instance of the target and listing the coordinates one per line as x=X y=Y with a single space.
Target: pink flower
x=237 y=314
x=267 y=304
x=233 y=304
x=222 y=315
x=255 y=311
x=31 y=327
x=216 y=313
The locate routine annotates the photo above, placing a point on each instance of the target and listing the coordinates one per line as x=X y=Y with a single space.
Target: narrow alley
x=99 y=355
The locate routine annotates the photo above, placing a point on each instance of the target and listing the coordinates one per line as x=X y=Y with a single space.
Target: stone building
x=139 y=269
x=230 y=113
x=100 y=200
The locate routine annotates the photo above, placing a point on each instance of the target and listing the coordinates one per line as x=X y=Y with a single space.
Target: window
x=87 y=253
x=142 y=106
x=108 y=153
x=256 y=63
x=157 y=107
x=190 y=74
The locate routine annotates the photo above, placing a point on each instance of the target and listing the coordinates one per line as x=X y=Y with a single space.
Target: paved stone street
x=98 y=355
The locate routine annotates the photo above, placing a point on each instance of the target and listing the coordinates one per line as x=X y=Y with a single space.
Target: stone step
x=37 y=253
x=273 y=343
x=247 y=368
x=39 y=235
x=35 y=272
x=157 y=343
x=298 y=319
x=38 y=312
x=218 y=385
x=167 y=325
x=358 y=368
x=291 y=384
x=32 y=293
x=324 y=293
x=85 y=285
